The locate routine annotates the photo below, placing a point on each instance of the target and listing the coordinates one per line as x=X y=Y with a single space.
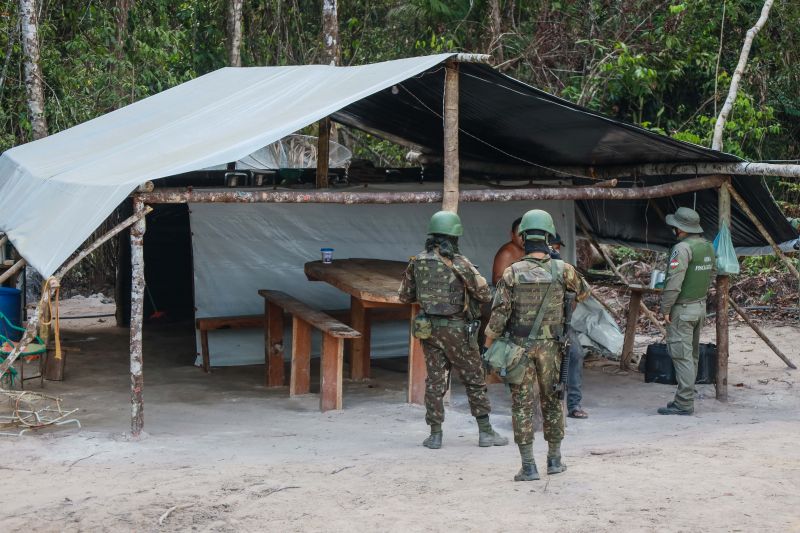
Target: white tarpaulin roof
x=56 y=191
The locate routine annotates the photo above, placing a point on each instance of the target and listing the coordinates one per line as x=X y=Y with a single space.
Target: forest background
x=665 y=65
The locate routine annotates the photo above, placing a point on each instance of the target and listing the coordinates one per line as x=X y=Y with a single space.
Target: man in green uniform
x=533 y=283
x=689 y=273
x=449 y=289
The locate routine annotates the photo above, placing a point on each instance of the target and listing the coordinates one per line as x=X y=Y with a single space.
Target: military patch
x=673 y=255
x=673 y=264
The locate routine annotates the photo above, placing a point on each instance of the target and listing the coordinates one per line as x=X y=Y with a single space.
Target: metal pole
x=137 y=317
x=451 y=170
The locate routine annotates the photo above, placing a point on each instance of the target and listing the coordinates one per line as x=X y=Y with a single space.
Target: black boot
x=528 y=472
x=434 y=440
x=554 y=464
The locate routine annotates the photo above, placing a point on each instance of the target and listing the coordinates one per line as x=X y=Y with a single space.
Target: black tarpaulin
x=505 y=121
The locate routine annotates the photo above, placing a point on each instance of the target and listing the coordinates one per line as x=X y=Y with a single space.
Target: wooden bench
x=303 y=319
x=223 y=322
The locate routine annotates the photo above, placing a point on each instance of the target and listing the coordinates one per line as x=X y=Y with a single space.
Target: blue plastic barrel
x=10 y=306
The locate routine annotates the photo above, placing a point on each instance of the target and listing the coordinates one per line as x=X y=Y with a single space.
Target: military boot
x=672 y=409
x=487 y=436
x=434 y=440
x=528 y=472
x=554 y=464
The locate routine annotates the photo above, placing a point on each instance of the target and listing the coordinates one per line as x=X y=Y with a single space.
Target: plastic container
x=327 y=255
x=10 y=299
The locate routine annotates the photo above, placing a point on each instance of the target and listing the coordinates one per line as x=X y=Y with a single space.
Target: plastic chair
x=33 y=351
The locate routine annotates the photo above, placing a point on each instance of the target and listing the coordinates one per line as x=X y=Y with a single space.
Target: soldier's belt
x=454 y=322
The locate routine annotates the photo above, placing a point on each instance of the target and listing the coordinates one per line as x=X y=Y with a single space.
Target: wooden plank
x=300 y=378
x=416 y=365
x=204 y=350
x=630 y=329
x=318 y=319
x=232 y=322
x=273 y=345
x=360 y=347
x=370 y=280
x=330 y=396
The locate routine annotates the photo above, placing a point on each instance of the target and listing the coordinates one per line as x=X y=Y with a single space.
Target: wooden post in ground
x=273 y=344
x=300 y=377
x=451 y=163
x=323 y=152
x=137 y=317
x=330 y=375
x=723 y=287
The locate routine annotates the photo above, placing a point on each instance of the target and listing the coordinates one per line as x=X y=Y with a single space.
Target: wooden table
x=371 y=284
x=630 y=325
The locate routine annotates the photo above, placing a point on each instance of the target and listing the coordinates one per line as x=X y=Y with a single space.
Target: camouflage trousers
x=544 y=363
x=449 y=347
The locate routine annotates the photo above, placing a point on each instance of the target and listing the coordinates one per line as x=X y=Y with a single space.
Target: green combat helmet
x=537 y=219
x=445 y=223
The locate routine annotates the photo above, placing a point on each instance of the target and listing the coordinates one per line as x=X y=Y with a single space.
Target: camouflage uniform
x=516 y=302
x=441 y=286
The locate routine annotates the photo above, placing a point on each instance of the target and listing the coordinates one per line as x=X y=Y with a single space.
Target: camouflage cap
x=685 y=219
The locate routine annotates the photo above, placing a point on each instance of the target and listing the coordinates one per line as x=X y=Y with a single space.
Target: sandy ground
x=225 y=454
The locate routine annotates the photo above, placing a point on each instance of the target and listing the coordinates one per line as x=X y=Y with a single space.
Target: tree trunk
x=33 y=72
x=234 y=42
x=331 y=50
x=716 y=143
x=495 y=25
x=123 y=9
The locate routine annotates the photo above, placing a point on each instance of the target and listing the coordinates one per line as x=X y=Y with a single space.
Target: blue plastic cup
x=327 y=255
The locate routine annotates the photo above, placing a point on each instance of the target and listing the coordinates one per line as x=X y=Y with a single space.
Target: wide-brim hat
x=685 y=219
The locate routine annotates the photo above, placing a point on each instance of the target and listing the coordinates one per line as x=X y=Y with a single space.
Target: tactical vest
x=531 y=280
x=439 y=290
x=698 y=274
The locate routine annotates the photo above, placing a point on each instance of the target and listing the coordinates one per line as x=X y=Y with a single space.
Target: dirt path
x=226 y=455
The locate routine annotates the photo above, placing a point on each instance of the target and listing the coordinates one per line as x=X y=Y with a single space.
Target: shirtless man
x=509 y=253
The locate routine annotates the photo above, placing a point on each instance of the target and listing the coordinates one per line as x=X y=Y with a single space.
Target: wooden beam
x=182 y=196
x=622 y=171
x=451 y=169
x=417 y=371
x=761 y=334
x=360 y=347
x=762 y=230
x=137 y=317
x=273 y=345
x=323 y=152
x=16 y=267
x=723 y=289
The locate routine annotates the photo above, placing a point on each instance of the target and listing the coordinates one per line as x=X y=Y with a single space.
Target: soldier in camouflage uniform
x=445 y=283
x=689 y=273
x=519 y=295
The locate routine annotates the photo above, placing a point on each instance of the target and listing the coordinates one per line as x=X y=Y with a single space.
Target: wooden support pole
x=16 y=267
x=330 y=381
x=451 y=168
x=300 y=378
x=649 y=314
x=761 y=334
x=273 y=345
x=723 y=288
x=762 y=230
x=137 y=317
x=323 y=152
x=360 y=347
